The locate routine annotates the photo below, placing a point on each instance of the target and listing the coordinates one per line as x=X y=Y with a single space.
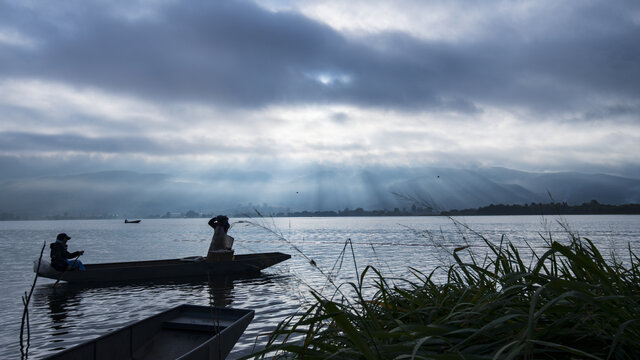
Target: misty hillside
x=458 y=189
x=572 y=187
x=131 y=194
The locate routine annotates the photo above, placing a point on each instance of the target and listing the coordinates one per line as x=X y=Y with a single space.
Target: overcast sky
x=174 y=86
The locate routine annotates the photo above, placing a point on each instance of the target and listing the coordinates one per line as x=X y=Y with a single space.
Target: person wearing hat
x=60 y=257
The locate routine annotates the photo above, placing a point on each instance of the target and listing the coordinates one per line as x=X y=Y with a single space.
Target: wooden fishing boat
x=131 y=221
x=184 y=332
x=195 y=266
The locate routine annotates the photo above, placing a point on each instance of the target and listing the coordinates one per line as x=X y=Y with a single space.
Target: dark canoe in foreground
x=184 y=332
x=131 y=221
x=167 y=269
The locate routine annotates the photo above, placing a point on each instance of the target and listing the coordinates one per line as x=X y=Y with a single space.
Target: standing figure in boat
x=60 y=256
x=221 y=243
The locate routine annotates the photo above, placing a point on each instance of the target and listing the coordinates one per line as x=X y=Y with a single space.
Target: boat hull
x=185 y=332
x=169 y=269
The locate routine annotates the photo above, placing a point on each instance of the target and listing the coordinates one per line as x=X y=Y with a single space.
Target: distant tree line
x=589 y=208
x=552 y=208
x=65 y=216
x=413 y=211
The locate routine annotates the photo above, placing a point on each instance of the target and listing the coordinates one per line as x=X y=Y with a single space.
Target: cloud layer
x=241 y=55
x=268 y=86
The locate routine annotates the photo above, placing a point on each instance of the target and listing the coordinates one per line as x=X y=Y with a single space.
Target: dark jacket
x=59 y=255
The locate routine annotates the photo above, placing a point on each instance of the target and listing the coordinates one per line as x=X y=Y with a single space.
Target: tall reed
x=567 y=303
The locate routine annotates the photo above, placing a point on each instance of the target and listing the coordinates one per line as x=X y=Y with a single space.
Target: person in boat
x=61 y=258
x=221 y=243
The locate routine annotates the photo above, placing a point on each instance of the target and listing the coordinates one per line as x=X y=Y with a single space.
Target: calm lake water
x=67 y=315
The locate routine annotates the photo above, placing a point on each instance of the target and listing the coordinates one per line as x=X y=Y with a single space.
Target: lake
x=67 y=315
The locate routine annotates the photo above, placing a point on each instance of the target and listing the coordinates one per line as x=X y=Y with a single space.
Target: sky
x=251 y=89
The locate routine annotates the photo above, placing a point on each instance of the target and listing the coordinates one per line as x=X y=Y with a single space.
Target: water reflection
x=60 y=300
x=221 y=290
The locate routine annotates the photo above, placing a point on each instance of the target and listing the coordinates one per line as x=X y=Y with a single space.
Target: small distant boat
x=150 y=270
x=131 y=221
x=184 y=332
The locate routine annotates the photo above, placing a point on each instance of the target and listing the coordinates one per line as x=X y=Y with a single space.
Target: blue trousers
x=76 y=265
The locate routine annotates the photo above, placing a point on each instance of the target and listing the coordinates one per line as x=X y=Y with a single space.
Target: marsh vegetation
x=568 y=301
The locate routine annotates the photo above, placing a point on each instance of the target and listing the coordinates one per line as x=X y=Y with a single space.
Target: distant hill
x=131 y=194
x=571 y=187
x=461 y=189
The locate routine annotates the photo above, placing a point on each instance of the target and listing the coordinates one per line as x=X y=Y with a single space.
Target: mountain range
x=132 y=194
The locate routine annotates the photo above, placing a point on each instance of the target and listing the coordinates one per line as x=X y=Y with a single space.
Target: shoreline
x=328 y=216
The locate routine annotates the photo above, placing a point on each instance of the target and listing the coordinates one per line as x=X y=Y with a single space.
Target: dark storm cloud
x=23 y=142
x=615 y=111
x=238 y=54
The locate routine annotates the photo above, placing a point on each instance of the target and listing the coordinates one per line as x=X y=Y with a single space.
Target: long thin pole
x=26 y=298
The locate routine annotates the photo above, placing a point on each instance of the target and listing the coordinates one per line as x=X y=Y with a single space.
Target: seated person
x=60 y=257
x=220 y=240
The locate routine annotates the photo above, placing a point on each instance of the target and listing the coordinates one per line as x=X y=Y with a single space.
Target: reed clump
x=569 y=302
